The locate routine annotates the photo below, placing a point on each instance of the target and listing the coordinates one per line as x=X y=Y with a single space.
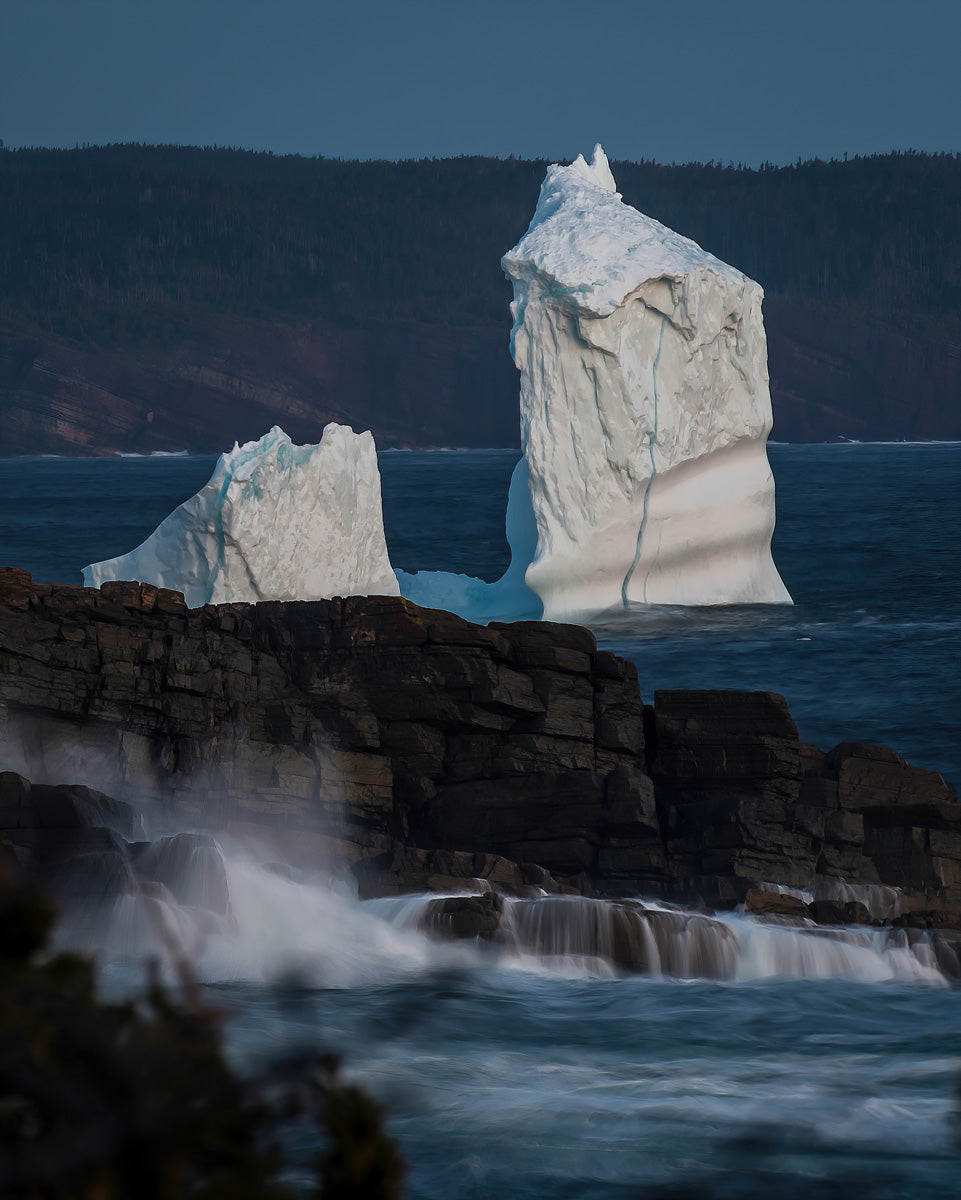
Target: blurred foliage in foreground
x=106 y=1101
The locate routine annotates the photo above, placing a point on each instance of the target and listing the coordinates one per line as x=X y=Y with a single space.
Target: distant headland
x=174 y=298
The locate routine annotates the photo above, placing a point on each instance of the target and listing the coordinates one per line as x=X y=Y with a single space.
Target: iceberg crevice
x=652 y=441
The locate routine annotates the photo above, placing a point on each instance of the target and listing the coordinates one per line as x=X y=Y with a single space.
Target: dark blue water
x=519 y=1084
x=639 y=1088
x=868 y=542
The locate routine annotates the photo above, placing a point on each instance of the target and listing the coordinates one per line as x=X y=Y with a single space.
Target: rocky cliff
x=420 y=750
x=423 y=385
x=834 y=375
x=233 y=378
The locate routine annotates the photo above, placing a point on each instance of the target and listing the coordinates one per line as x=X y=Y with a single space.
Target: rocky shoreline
x=424 y=753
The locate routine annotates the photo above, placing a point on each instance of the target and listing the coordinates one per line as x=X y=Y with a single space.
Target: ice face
x=645 y=409
x=275 y=522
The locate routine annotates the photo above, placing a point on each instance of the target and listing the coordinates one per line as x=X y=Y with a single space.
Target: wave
x=274 y=924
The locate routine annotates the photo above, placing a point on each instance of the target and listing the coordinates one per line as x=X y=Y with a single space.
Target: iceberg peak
x=586 y=244
x=597 y=171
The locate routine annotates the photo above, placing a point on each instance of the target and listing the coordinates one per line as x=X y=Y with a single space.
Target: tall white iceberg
x=275 y=522
x=645 y=410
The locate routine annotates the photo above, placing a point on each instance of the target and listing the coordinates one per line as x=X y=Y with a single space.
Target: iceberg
x=275 y=522
x=645 y=410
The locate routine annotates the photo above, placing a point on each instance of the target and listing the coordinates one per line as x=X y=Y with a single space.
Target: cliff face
x=346 y=726
x=327 y=267
x=836 y=377
x=423 y=385
x=417 y=748
x=410 y=384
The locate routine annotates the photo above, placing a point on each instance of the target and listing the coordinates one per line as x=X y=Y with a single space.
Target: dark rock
x=91 y=877
x=764 y=903
x=428 y=753
x=408 y=869
x=727 y=779
x=875 y=777
x=71 y=839
x=947 y=951
x=464 y=916
x=839 y=912
x=191 y=867
x=68 y=806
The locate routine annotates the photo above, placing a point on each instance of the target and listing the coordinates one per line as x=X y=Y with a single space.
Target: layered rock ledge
x=423 y=752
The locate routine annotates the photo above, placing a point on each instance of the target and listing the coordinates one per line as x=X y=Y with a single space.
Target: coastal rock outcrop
x=425 y=753
x=341 y=728
x=727 y=771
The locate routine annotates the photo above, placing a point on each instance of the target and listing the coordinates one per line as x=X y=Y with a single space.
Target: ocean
x=868 y=541
x=508 y=1076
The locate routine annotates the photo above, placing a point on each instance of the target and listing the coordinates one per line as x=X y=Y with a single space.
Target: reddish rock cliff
x=423 y=385
x=410 y=384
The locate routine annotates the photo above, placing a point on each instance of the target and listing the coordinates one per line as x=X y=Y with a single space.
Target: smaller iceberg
x=275 y=522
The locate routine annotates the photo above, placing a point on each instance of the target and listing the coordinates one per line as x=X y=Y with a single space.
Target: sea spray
x=233 y=914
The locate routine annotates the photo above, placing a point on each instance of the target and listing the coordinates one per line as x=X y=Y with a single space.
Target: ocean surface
x=507 y=1076
x=868 y=541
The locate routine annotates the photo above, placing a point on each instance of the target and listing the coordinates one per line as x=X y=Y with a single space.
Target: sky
x=689 y=80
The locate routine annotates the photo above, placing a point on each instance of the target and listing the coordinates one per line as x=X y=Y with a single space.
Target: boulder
x=464 y=916
x=839 y=912
x=189 y=865
x=763 y=903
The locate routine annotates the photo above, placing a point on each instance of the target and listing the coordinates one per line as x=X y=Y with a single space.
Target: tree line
x=130 y=244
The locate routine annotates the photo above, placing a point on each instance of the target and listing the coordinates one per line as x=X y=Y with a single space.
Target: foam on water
x=279 y=925
x=311 y=930
x=507 y=1076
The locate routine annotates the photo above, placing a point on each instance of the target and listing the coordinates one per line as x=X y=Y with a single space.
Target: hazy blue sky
x=740 y=80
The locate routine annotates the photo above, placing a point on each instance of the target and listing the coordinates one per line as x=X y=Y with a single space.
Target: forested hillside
x=181 y=296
